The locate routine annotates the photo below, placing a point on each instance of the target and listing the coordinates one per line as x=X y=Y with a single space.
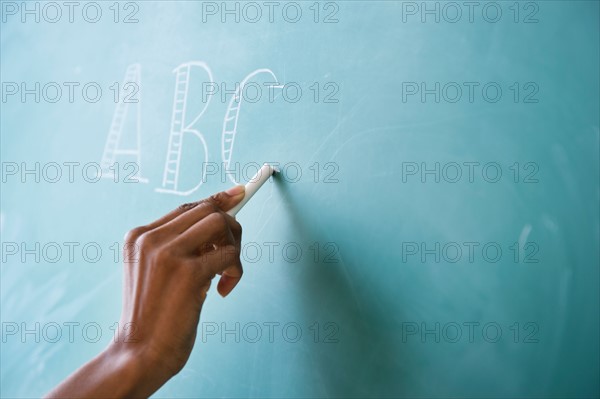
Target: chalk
x=253 y=185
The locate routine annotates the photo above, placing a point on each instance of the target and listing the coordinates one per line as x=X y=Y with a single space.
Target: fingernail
x=237 y=190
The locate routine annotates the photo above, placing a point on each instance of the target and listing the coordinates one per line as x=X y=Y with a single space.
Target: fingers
x=184 y=221
x=222 y=201
x=229 y=278
x=135 y=233
x=181 y=209
x=219 y=236
x=216 y=228
x=225 y=200
x=172 y=221
x=234 y=227
x=205 y=235
x=225 y=260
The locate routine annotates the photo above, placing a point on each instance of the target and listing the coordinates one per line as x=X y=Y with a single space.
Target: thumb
x=225 y=200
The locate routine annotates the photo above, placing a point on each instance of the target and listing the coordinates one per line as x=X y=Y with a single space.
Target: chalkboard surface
x=433 y=232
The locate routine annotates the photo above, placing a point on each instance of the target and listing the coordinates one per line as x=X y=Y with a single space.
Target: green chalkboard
x=434 y=230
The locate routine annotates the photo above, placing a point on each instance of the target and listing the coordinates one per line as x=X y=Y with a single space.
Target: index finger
x=223 y=201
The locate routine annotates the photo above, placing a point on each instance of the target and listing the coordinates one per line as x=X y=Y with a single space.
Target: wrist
x=141 y=371
x=120 y=371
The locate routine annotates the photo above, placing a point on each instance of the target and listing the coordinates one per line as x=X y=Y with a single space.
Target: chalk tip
x=272 y=168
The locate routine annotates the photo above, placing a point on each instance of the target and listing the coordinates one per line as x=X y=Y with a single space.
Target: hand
x=172 y=263
x=169 y=265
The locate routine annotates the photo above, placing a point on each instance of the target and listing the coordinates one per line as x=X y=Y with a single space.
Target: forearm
x=117 y=372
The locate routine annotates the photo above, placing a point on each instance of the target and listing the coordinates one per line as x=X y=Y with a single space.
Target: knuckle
x=187 y=206
x=135 y=233
x=209 y=205
x=147 y=240
x=218 y=199
x=217 y=220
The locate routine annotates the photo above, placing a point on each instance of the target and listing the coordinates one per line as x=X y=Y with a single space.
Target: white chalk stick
x=252 y=186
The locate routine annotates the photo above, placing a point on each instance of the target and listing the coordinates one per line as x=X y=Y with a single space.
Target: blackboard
x=433 y=231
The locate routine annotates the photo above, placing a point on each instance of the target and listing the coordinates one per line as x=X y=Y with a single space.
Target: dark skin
x=169 y=266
